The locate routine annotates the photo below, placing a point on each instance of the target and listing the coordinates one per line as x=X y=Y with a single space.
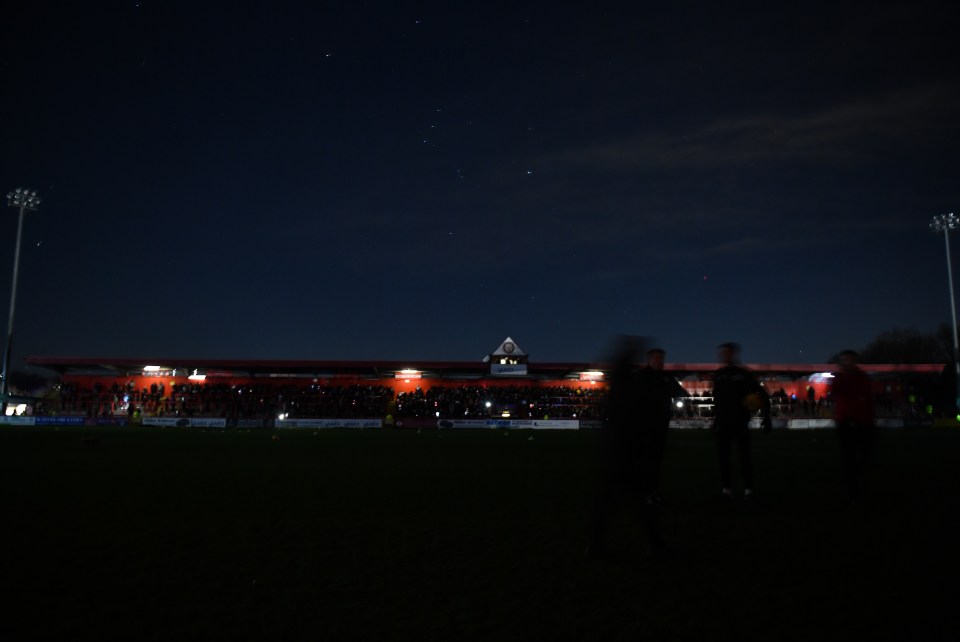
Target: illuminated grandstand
x=505 y=389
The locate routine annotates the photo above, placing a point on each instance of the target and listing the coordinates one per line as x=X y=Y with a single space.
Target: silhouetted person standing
x=624 y=444
x=854 y=414
x=657 y=393
x=736 y=396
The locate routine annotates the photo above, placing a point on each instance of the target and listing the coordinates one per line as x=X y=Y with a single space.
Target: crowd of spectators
x=519 y=402
x=330 y=401
x=293 y=400
x=99 y=400
x=265 y=401
x=261 y=401
x=794 y=405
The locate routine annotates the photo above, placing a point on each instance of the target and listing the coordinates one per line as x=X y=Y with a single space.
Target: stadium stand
x=416 y=393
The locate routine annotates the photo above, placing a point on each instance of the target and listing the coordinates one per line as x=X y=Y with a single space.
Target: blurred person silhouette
x=736 y=396
x=658 y=390
x=854 y=415
x=622 y=470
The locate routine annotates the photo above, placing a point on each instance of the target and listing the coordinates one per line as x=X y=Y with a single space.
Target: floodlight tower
x=947 y=223
x=23 y=199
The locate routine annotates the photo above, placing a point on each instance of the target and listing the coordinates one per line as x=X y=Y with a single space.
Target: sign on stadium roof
x=508 y=369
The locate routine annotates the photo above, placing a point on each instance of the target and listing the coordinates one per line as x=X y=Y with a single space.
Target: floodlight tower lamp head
x=23 y=198
x=945 y=222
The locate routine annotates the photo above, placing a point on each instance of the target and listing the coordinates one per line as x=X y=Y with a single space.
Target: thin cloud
x=855 y=131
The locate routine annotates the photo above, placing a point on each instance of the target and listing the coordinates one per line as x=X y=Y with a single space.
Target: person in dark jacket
x=736 y=396
x=624 y=447
x=853 y=410
x=658 y=392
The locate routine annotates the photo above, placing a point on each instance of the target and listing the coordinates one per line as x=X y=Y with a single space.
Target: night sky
x=374 y=180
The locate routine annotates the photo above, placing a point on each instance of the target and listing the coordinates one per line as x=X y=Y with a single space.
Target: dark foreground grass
x=173 y=534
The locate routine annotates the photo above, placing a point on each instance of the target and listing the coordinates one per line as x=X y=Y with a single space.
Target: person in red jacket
x=853 y=413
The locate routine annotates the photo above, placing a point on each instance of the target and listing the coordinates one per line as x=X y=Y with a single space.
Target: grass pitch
x=165 y=534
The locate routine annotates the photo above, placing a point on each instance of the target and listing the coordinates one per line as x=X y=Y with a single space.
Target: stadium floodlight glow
x=947 y=223
x=22 y=199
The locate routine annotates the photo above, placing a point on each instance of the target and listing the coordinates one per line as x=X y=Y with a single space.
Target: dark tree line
x=908 y=345
x=30 y=383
